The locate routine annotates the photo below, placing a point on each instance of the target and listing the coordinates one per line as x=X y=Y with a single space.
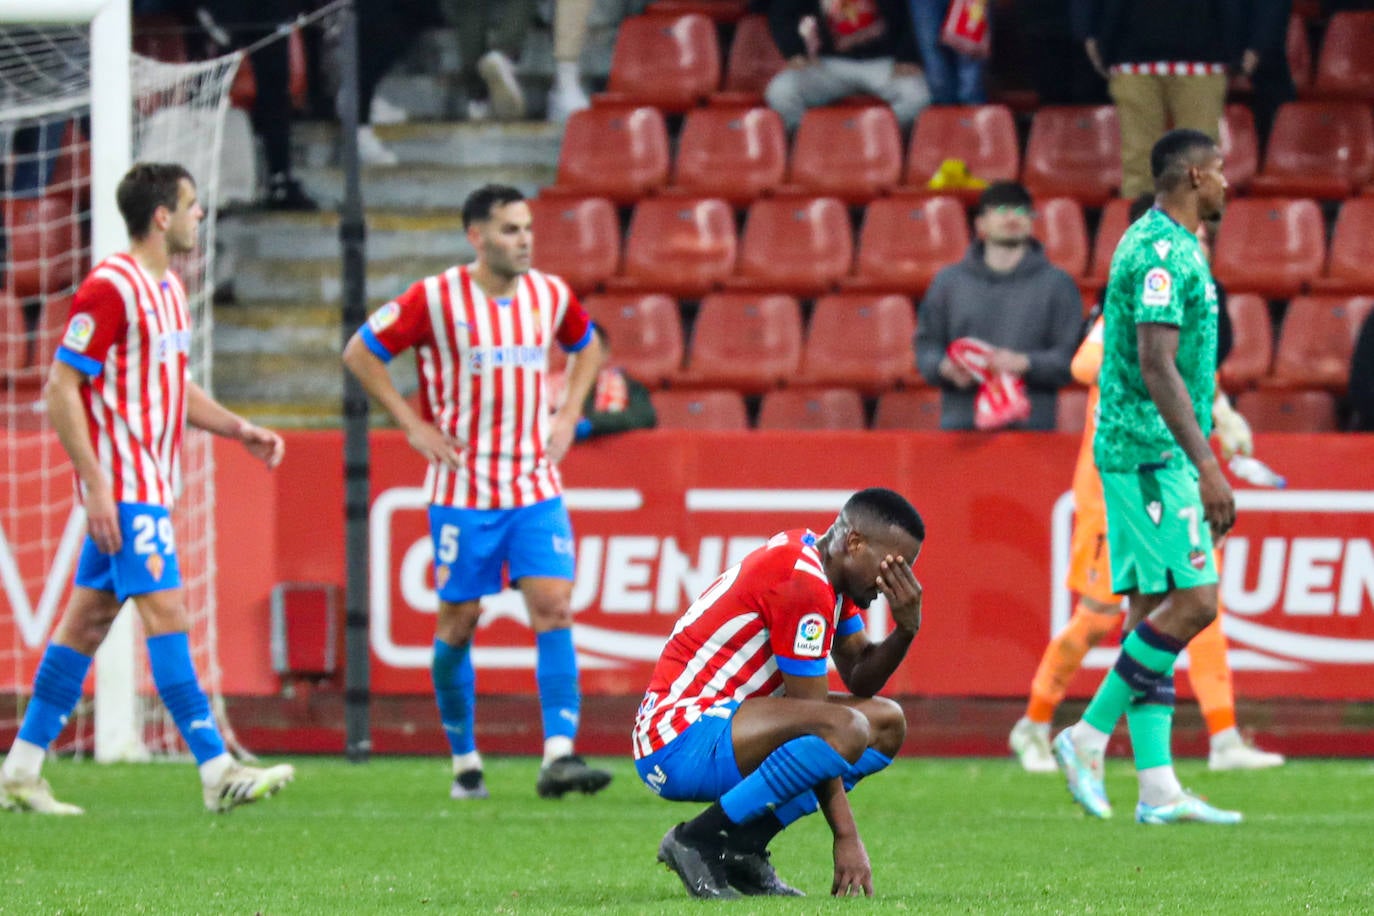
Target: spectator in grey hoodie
x=1005 y=293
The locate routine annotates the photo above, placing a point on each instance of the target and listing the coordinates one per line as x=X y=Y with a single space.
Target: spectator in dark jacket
x=1362 y=379
x=1004 y=293
x=1263 y=57
x=838 y=48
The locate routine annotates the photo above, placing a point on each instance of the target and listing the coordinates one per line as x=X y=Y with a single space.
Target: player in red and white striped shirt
x=119 y=396
x=739 y=712
x=481 y=333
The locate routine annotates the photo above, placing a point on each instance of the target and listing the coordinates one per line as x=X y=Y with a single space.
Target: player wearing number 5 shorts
x=119 y=396
x=1165 y=494
x=482 y=333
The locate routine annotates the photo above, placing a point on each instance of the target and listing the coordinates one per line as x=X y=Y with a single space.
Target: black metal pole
x=352 y=242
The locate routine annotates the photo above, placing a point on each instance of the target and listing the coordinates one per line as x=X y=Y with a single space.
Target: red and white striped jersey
x=131 y=335
x=774 y=611
x=482 y=363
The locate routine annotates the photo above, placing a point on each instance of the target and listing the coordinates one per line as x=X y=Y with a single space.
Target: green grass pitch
x=944 y=836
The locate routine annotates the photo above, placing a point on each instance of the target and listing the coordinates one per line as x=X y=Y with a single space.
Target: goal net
x=178 y=112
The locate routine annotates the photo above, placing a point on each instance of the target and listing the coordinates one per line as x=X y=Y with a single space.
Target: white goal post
x=157 y=111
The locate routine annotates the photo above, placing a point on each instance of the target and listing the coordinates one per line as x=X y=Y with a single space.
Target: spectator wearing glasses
x=1006 y=299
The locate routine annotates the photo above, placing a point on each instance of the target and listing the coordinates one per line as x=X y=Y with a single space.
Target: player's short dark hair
x=1174 y=152
x=886 y=507
x=1004 y=194
x=477 y=208
x=144 y=188
x=1140 y=206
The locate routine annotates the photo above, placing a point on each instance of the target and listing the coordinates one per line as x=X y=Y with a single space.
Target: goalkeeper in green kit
x=1166 y=496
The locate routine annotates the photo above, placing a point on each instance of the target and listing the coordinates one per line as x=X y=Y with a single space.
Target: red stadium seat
x=793 y=245
x=1316 y=341
x=905 y=241
x=847 y=152
x=715 y=10
x=918 y=409
x=1318 y=149
x=1345 y=67
x=1299 y=51
x=823 y=408
x=701 y=410
x=1116 y=218
x=737 y=154
x=56 y=311
x=613 y=152
x=14 y=339
x=579 y=240
x=1273 y=247
x=243 y=93
x=1239 y=146
x=747 y=342
x=1350 y=266
x=861 y=341
x=1060 y=227
x=645 y=332
x=982 y=136
x=1074 y=151
x=753 y=62
x=71 y=176
x=669 y=62
x=1272 y=410
x=44 y=241
x=1252 y=345
x=682 y=247
x=1071 y=410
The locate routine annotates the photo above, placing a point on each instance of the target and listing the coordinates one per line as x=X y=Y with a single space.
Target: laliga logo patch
x=1159 y=286
x=385 y=316
x=155 y=566
x=79 y=332
x=810 y=636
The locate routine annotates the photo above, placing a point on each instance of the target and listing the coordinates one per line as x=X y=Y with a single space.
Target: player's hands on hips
x=262 y=443
x=903 y=592
x=561 y=437
x=102 y=518
x=437 y=448
x=853 y=873
x=1218 y=502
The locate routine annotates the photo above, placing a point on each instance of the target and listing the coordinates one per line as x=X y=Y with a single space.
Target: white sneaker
x=384 y=112
x=242 y=785
x=33 y=795
x=372 y=151
x=1031 y=743
x=479 y=110
x=1237 y=754
x=507 y=98
x=566 y=99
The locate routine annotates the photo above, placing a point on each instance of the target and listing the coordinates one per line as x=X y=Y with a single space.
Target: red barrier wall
x=658 y=515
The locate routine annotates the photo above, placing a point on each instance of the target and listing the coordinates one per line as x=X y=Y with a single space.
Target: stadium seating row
x=756 y=342
x=688 y=246
x=670 y=58
x=1268 y=410
x=1319 y=149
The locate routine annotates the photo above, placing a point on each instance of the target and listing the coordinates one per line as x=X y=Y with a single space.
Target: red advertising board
x=658 y=515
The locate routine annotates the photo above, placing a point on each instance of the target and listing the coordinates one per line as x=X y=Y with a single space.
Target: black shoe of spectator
x=286 y=193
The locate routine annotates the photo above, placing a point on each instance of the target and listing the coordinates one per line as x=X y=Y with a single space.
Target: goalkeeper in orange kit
x=1099 y=611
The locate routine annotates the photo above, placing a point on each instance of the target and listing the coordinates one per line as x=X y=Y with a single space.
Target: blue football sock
x=455 y=687
x=800 y=764
x=169 y=656
x=56 y=691
x=871 y=762
x=555 y=672
x=798 y=808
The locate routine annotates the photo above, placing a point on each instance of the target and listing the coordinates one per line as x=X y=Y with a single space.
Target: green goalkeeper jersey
x=1159 y=276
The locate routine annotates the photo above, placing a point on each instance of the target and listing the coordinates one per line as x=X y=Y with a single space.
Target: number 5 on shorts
x=448 y=544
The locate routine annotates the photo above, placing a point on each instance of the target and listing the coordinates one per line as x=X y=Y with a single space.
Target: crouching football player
x=739 y=713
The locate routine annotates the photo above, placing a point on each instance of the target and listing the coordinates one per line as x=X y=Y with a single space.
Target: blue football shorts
x=146 y=561
x=473 y=546
x=697 y=765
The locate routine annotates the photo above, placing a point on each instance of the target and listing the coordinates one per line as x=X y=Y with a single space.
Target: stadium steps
x=279 y=275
